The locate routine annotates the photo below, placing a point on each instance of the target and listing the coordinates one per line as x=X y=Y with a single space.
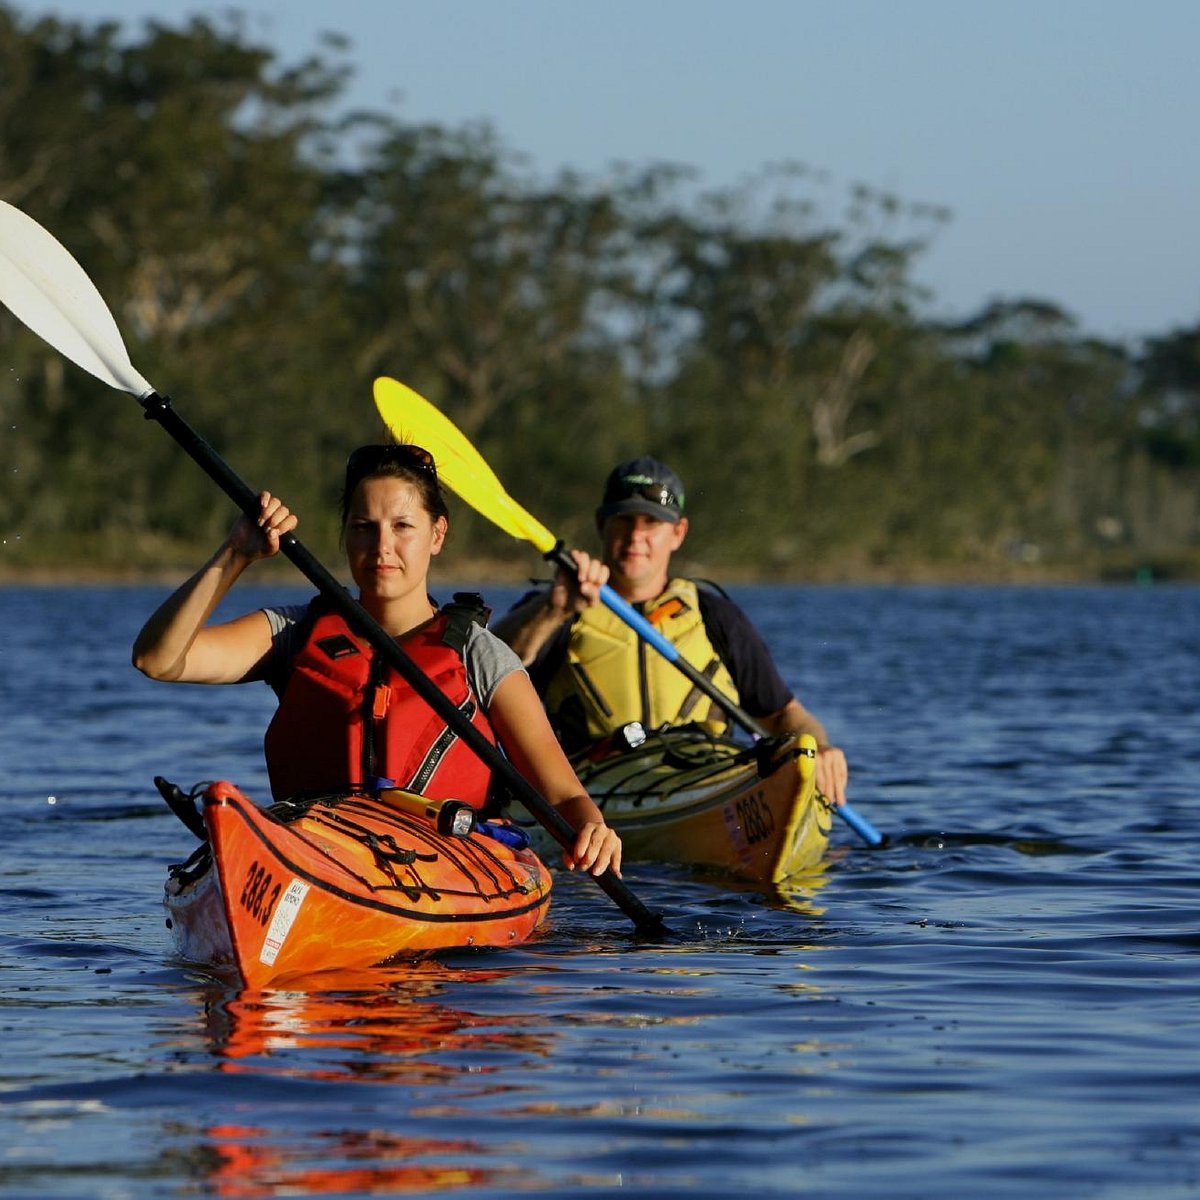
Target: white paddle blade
x=50 y=292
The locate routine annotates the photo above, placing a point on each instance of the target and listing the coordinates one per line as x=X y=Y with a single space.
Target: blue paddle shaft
x=859 y=824
x=634 y=619
x=638 y=623
x=670 y=652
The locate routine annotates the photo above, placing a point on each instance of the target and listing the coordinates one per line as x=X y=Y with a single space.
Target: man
x=595 y=674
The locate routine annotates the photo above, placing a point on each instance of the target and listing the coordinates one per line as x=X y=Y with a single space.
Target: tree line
x=267 y=252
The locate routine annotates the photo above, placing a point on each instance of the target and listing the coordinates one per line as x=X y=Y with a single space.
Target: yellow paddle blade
x=411 y=418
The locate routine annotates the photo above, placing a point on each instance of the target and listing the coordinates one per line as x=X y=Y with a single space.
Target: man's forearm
x=527 y=629
x=795 y=718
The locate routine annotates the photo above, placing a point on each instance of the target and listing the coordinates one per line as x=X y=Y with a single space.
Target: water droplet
x=51 y=799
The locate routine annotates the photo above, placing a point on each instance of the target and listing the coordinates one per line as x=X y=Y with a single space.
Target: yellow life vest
x=611 y=677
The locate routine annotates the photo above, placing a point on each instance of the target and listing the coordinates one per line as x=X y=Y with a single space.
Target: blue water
x=1003 y=1002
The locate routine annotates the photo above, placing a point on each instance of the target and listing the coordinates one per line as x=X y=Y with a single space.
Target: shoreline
x=510 y=574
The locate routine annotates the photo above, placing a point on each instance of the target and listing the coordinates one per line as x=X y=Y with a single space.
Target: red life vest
x=347 y=721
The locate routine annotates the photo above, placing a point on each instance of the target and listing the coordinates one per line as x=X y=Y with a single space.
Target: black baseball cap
x=642 y=485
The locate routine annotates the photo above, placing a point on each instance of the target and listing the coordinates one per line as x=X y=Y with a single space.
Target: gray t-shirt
x=487 y=659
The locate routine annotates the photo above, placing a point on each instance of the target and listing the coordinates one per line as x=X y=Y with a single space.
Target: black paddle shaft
x=159 y=408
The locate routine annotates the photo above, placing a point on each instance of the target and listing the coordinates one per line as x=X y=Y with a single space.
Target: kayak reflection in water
x=394 y=522
x=588 y=666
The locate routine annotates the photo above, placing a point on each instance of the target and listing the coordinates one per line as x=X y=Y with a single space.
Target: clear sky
x=1060 y=133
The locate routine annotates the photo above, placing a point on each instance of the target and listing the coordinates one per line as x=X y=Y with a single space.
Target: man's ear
x=681 y=528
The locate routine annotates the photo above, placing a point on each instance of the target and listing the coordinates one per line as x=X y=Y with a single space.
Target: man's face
x=638 y=549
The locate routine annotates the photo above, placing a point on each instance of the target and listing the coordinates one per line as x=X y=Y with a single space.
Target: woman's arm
x=524 y=732
x=178 y=645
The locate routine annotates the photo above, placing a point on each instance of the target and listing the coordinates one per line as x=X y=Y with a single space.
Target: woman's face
x=390 y=538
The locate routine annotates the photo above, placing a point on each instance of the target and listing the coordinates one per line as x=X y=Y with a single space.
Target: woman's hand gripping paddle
x=50 y=292
x=410 y=417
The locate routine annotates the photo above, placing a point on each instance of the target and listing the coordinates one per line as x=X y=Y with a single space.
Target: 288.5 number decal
x=756 y=818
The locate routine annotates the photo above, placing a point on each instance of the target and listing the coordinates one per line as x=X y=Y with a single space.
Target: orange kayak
x=345 y=881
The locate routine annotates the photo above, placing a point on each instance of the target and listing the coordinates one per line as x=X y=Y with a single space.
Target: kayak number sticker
x=286 y=912
x=260 y=893
x=748 y=821
x=755 y=817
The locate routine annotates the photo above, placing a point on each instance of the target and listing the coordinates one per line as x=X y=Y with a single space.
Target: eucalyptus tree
x=795 y=313
x=1167 y=435
x=1042 y=433
x=486 y=290
x=1170 y=370
x=186 y=171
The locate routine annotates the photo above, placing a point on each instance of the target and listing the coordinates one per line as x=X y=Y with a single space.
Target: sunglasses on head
x=630 y=486
x=368 y=459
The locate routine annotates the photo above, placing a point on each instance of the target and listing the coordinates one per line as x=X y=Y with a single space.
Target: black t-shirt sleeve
x=761 y=689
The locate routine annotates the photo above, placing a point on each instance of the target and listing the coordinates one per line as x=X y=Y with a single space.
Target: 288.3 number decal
x=260 y=893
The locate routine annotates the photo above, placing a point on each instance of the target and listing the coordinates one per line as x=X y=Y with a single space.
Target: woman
x=344 y=720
